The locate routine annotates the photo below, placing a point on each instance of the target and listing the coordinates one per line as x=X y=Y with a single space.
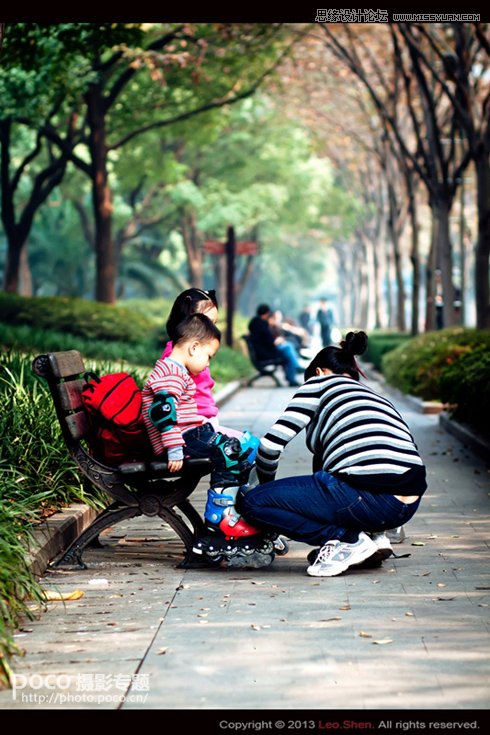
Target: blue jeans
x=291 y=362
x=318 y=508
x=230 y=464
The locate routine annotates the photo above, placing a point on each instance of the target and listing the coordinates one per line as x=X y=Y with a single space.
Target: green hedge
x=80 y=317
x=380 y=343
x=451 y=365
x=465 y=386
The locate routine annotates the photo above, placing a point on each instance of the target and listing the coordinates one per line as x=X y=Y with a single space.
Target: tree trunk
x=444 y=257
x=482 y=254
x=430 y=295
x=362 y=320
x=25 y=275
x=105 y=256
x=12 y=268
x=414 y=254
x=377 y=290
x=394 y=235
x=389 y=285
x=193 y=249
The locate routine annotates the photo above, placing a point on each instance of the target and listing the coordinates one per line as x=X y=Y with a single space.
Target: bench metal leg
x=110 y=516
x=265 y=375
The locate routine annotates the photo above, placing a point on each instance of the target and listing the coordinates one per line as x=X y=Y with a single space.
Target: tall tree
x=135 y=78
x=462 y=52
x=35 y=79
x=407 y=78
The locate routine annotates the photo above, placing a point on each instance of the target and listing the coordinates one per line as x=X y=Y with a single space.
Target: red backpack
x=114 y=406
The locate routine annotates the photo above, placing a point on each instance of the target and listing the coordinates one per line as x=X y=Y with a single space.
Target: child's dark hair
x=190 y=301
x=196 y=327
x=340 y=359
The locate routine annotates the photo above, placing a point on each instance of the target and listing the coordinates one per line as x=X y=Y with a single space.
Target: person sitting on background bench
x=175 y=428
x=269 y=346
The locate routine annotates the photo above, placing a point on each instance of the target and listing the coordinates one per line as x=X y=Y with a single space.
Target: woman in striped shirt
x=369 y=475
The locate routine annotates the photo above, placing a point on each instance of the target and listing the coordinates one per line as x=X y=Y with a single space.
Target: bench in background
x=263 y=367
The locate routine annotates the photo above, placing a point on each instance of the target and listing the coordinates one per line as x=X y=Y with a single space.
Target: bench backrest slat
x=70 y=394
x=65 y=364
x=78 y=425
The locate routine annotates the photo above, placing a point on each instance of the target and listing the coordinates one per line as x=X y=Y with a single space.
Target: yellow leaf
x=52 y=595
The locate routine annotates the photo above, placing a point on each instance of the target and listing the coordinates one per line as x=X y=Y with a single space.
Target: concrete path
x=367 y=647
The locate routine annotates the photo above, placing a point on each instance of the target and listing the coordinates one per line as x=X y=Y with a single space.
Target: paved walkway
x=409 y=637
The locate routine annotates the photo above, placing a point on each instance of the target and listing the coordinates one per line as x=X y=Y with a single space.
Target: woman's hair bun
x=355 y=343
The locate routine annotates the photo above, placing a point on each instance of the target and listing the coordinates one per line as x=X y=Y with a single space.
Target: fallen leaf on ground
x=161 y=651
x=328 y=620
x=382 y=641
x=362 y=634
x=345 y=607
x=53 y=595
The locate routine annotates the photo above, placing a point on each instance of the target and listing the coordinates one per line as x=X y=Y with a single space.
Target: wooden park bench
x=136 y=488
x=263 y=367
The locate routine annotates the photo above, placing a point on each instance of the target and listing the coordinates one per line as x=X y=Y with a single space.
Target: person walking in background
x=325 y=319
x=269 y=344
x=306 y=319
x=370 y=476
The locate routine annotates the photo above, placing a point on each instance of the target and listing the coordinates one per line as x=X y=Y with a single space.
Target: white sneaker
x=336 y=556
x=396 y=535
x=384 y=547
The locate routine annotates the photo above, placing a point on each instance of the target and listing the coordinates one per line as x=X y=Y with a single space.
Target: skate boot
x=249 y=442
x=220 y=513
x=251 y=553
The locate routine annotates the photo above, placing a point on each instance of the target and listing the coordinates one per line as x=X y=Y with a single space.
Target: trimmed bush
x=417 y=366
x=380 y=343
x=80 y=317
x=465 y=387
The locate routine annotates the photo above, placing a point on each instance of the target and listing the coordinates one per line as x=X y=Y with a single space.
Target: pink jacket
x=204 y=389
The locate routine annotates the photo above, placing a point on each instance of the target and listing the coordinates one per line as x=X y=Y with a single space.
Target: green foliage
x=380 y=343
x=17 y=582
x=79 y=317
x=417 y=366
x=37 y=477
x=465 y=387
x=229 y=365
